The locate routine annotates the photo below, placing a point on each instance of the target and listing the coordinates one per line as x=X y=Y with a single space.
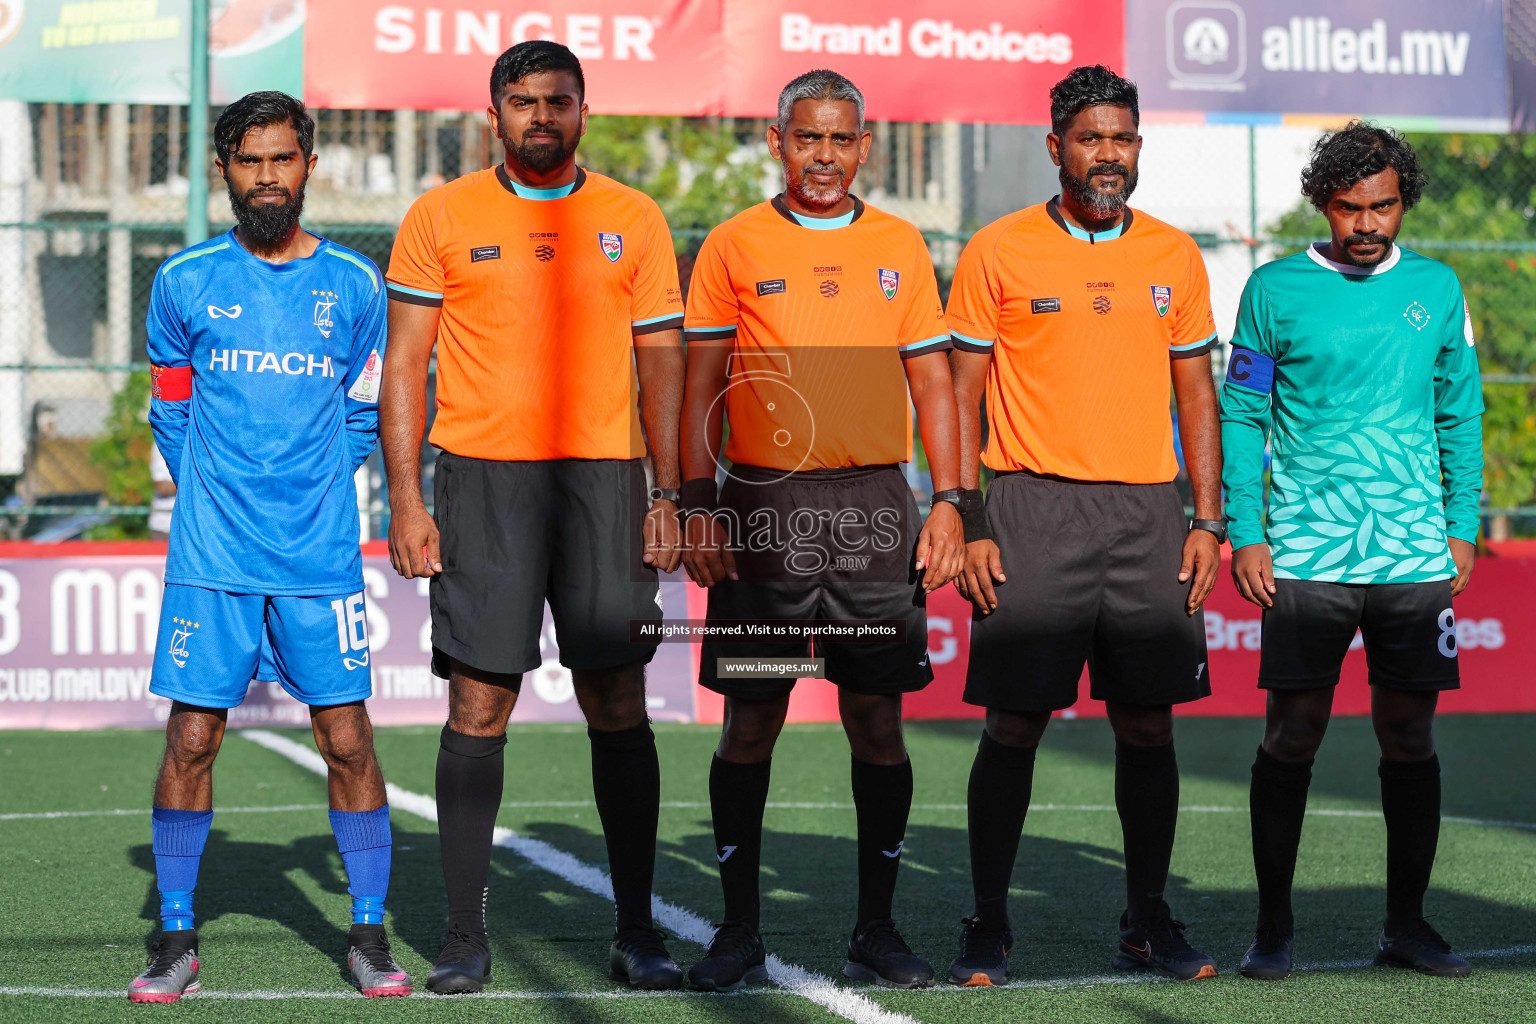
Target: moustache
x=1370 y=239
x=257 y=193
x=1119 y=169
x=823 y=169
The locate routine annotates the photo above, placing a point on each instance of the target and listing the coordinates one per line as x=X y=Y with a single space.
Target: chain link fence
x=100 y=200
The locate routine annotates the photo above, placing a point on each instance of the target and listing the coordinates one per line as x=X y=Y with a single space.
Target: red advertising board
x=921 y=60
x=638 y=56
x=1495 y=639
x=915 y=60
x=78 y=627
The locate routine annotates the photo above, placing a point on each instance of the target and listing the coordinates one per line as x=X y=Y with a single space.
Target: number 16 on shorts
x=351 y=629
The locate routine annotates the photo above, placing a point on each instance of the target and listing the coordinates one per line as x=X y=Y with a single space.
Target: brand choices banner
x=1420 y=58
x=917 y=60
x=78 y=629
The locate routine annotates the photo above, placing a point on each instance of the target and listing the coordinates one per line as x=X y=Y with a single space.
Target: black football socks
x=997 y=802
x=738 y=794
x=1410 y=802
x=1277 y=805
x=882 y=799
x=1147 y=797
x=469 y=778
x=626 y=782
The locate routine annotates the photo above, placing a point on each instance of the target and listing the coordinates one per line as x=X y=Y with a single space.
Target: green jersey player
x=1355 y=359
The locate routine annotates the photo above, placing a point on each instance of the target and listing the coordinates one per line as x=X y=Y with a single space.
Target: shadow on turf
x=1065 y=909
x=1487 y=760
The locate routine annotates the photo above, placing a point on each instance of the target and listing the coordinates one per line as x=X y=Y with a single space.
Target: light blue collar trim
x=524 y=192
x=824 y=223
x=1094 y=236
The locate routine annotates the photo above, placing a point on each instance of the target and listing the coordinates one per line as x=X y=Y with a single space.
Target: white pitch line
x=124 y=812
x=264 y=995
x=1083 y=981
x=816 y=987
x=1322 y=812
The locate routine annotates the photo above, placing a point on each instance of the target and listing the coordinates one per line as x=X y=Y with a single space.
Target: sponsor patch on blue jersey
x=1252 y=370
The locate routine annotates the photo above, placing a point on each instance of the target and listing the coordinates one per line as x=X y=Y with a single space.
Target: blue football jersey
x=266 y=396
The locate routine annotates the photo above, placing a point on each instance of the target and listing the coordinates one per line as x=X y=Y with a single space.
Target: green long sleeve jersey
x=1365 y=381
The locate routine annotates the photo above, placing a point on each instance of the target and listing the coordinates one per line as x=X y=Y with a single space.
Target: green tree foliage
x=701 y=171
x=122 y=454
x=1478 y=215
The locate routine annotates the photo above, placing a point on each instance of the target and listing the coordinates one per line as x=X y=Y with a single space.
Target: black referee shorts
x=1093 y=576
x=823 y=544
x=1409 y=631
x=517 y=534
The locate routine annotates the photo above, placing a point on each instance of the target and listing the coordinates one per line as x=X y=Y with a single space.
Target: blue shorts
x=213 y=643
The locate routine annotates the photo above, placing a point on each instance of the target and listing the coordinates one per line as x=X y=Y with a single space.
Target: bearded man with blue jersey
x=267 y=345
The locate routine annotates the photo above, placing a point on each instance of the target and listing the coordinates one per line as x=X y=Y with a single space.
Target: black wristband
x=700 y=497
x=973 y=517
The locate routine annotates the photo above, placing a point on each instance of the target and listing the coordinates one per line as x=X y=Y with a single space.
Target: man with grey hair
x=810 y=319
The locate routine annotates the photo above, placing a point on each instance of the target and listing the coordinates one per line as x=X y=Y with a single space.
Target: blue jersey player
x=267 y=345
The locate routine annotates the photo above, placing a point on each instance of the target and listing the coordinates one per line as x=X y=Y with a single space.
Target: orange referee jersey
x=823 y=311
x=542 y=293
x=1081 y=327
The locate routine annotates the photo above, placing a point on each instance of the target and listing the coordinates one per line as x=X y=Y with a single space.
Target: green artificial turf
x=77 y=898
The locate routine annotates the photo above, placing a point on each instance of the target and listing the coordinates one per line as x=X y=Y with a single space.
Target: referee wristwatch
x=1216 y=526
x=672 y=494
x=955 y=496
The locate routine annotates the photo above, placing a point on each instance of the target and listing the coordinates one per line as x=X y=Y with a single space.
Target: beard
x=1103 y=205
x=820 y=197
x=1371 y=239
x=541 y=155
x=267 y=226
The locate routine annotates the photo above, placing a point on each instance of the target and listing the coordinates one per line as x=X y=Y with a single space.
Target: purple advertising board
x=77 y=638
x=1424 y=59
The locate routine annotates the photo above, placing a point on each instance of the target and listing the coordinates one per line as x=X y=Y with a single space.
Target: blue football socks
x=365 y=843
x=178 y=839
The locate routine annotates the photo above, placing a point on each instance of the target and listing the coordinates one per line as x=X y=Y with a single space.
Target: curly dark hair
x=258 y=110
x=1091 y=86
x=530 y=58
x=1356 y=152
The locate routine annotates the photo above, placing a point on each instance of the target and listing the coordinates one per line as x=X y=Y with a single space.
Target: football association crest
x=179 y=637
x=889 y=282
x=324 y=302
x=613 y=245
x=1162 y=298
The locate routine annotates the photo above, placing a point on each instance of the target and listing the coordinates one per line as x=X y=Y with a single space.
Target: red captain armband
x=171 y=383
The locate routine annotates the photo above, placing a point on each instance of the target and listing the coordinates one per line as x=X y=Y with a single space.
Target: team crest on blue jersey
x=1417 y=315
x=324 y=303
x=613 y=245
x=1162 y=298
x=890 y=280
x=179 y=637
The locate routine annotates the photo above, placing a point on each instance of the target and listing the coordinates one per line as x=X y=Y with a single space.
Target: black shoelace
x=976 y=941
x=1270 y=937
x=882 y=939
x=643 y=942
x=734 y=940
x=461 y=946
x=162 y=959
x=1421 y=933
x=376 y=953
x=1170 y=935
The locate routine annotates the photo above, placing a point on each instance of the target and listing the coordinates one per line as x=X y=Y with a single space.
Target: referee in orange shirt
x=546 y=289
x=810 y=318
x=1071 y=318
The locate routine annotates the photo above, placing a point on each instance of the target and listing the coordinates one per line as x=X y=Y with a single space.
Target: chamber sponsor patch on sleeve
x=1252 y=370
x=366 y=387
